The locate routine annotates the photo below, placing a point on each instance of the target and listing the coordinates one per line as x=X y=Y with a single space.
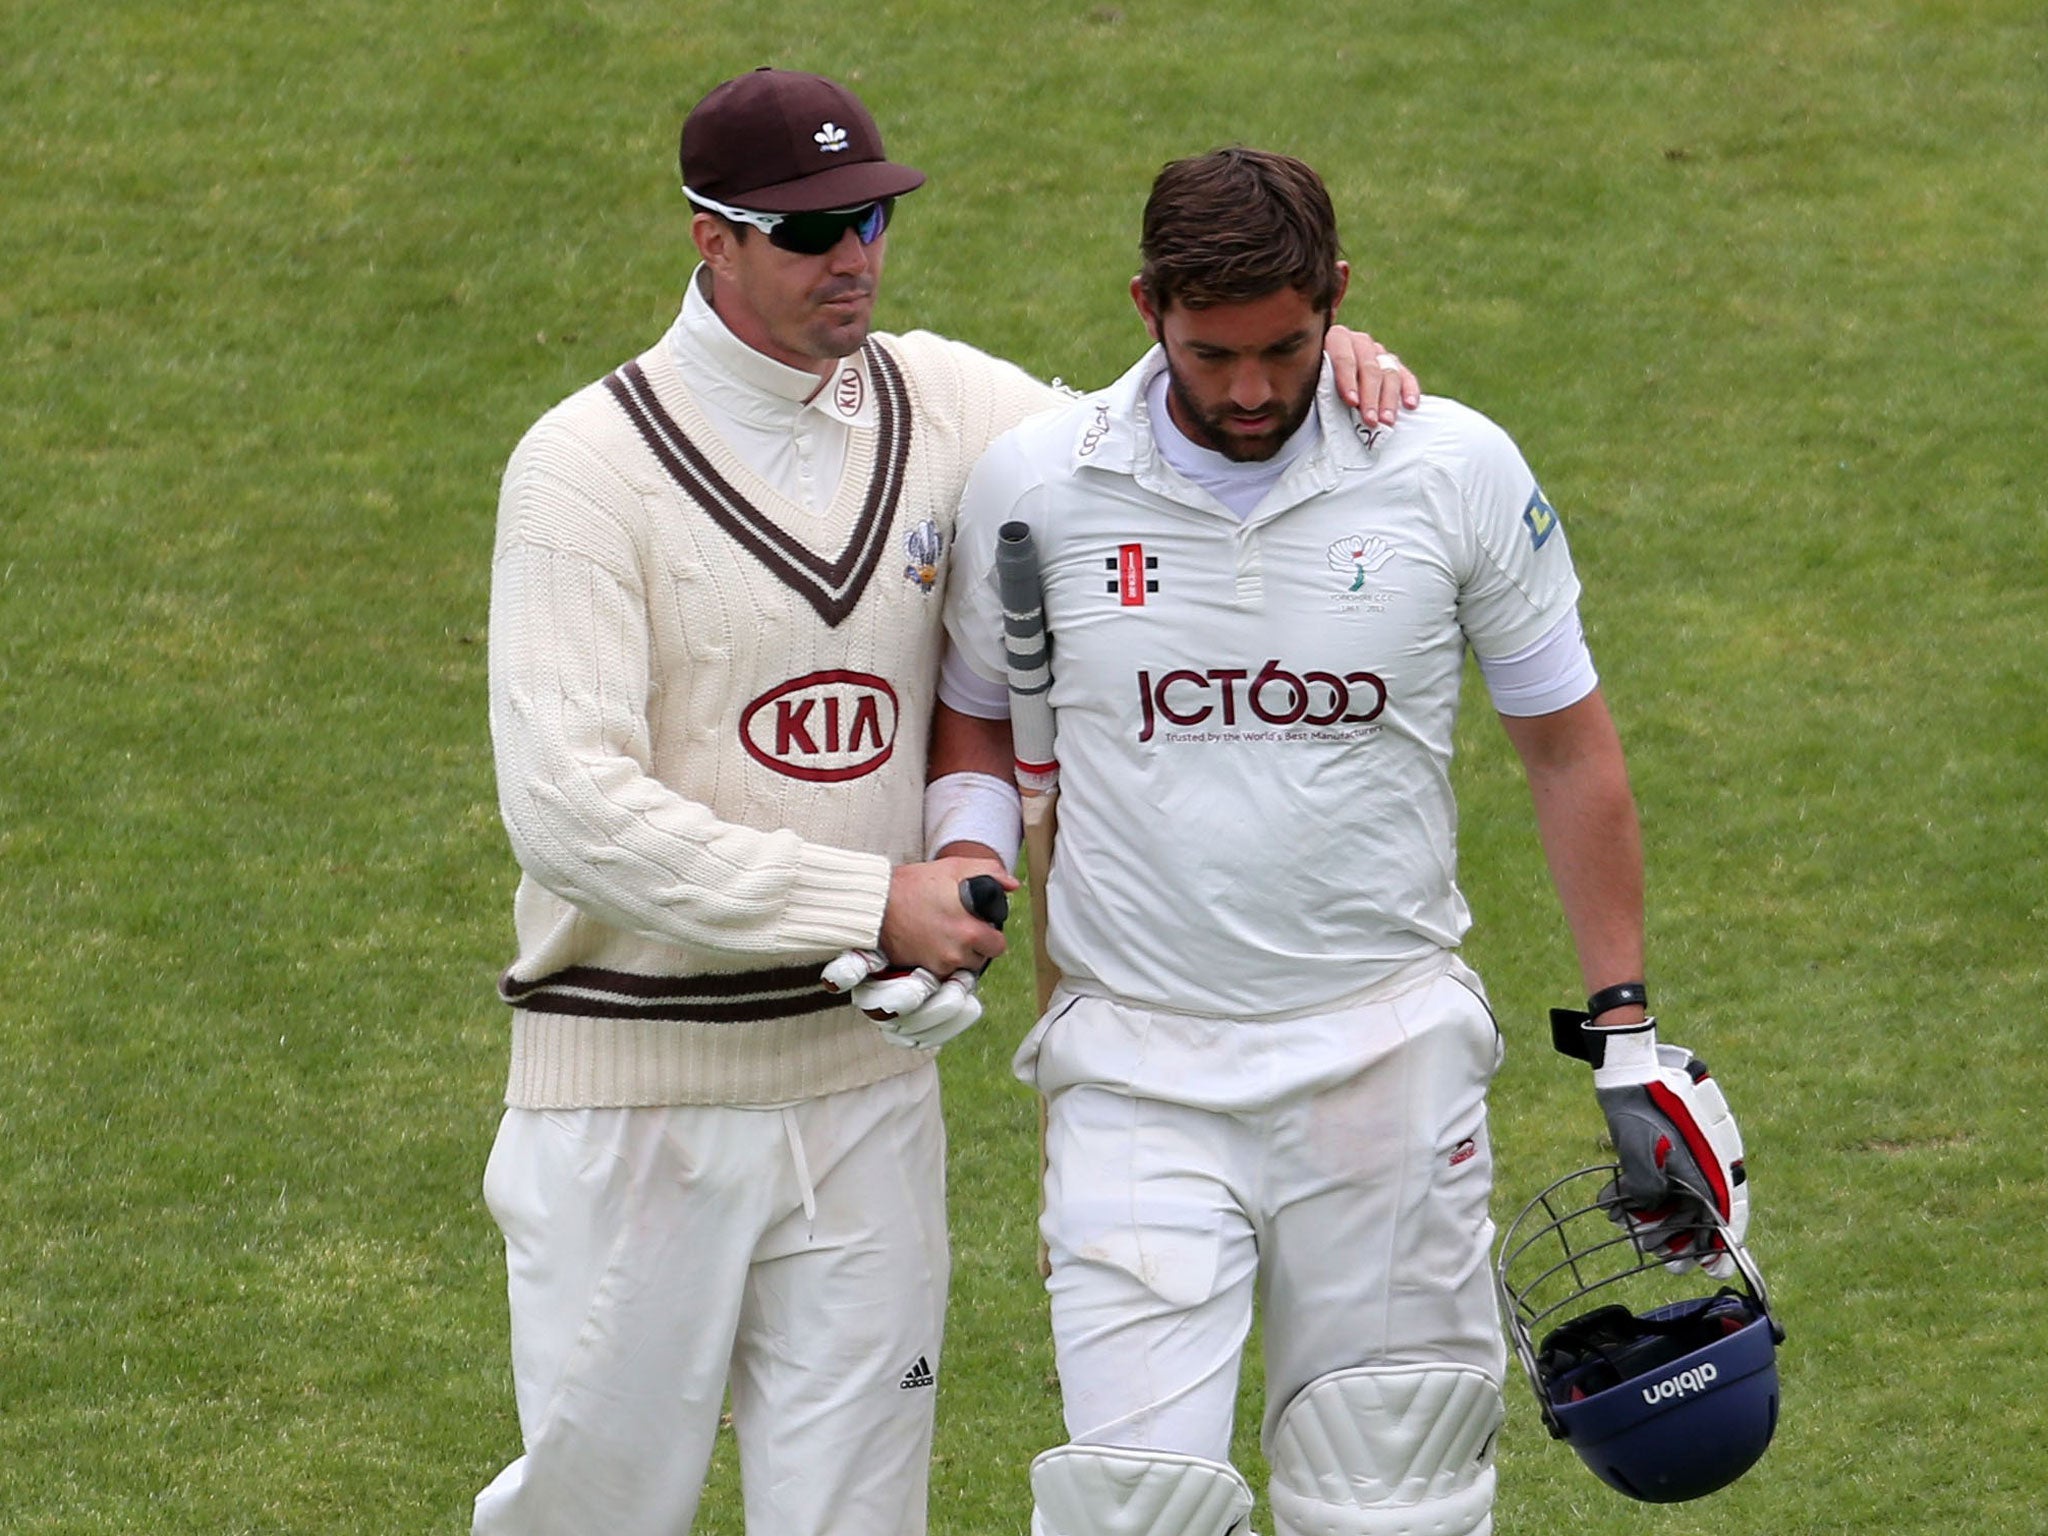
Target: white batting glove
x=911 y=1005
x=850 y=968
x=951 y=1008
x=1677 y=1143
x=884 y=992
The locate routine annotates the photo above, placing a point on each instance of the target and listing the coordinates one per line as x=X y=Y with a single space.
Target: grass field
x=1762 y=291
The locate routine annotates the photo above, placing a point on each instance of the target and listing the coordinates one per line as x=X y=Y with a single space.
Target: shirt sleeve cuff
x=838 y=899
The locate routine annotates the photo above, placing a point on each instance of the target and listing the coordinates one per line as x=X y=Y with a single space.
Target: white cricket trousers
x=657 y=1258
x=1353 y=1204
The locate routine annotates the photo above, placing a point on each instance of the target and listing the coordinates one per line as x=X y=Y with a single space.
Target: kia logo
x=824 y=727
x=847 y=394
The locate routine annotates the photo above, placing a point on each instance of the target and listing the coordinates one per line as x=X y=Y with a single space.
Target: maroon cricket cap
x=778 y=141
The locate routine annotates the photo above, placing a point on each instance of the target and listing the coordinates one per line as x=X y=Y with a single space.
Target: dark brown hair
x=1237 y=224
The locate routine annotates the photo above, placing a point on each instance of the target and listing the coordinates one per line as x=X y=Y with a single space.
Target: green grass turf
x=1759 y=289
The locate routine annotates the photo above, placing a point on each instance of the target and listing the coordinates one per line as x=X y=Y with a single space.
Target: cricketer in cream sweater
x=711 y=698
x=714 y=629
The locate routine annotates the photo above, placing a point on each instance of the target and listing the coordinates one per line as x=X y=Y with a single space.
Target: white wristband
x=973 y=808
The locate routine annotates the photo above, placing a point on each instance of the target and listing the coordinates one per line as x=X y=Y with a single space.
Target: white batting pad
x=1388 y=1451
x=1107 y=1490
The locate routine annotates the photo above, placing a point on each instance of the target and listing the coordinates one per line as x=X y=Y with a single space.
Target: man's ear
x=1151 y=315
x=1343 y=285
x=714 y=240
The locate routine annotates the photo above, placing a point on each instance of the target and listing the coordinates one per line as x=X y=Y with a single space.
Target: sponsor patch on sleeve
x=1540 y=517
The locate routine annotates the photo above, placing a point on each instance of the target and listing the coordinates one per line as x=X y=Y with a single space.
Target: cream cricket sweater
x=710 y=708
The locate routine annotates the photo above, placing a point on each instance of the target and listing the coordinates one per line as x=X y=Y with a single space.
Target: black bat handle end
x=984 y=896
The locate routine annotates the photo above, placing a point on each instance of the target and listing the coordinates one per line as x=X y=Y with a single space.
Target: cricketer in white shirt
x=1266 y=1068
x=1255 y=707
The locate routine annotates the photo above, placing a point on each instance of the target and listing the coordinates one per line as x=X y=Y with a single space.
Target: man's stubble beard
x=1236 y=447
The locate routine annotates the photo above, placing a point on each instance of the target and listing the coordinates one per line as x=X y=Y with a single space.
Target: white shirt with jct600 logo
x=1274 y=693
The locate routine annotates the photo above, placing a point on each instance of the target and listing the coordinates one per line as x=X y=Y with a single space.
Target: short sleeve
x=1518 y=581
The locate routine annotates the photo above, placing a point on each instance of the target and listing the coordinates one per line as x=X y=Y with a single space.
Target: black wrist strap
x=1574 y=1033
x=1623 y=994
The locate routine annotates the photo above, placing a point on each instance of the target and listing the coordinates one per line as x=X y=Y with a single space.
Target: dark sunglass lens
x=807 y=234
x=873 y=220
x=813 y=234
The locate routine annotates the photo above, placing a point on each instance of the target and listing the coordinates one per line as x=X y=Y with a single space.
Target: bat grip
x=984 y=896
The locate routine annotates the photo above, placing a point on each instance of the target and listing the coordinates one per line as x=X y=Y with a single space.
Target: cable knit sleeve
x=570 y=683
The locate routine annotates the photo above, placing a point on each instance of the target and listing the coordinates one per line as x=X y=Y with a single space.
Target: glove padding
x=1682 y=1190
x=912 y=1006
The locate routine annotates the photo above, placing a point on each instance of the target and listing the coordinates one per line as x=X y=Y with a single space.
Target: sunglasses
x=807 y=234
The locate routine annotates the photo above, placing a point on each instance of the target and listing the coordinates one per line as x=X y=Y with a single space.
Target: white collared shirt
x=786 y=424
x=1256 y=713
